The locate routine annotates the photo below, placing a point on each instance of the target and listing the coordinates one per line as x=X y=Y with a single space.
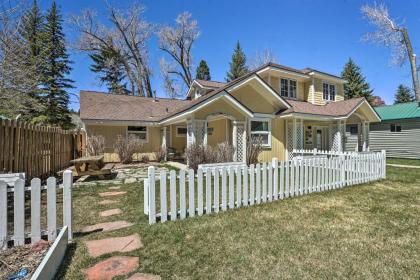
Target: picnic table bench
x=93 y=165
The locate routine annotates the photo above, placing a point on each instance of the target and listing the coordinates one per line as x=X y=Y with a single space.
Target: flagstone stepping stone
x=130 y=180
x=110 y=212
x=104 y=194
x=107 y=201
x=114 y=244
x=144 y=276
x=114 y=188
x=114 y=266
x=106 y=226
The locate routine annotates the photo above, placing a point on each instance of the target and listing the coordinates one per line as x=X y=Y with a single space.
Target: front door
x=321 y=138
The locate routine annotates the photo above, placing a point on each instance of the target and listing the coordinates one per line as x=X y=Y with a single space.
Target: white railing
x=16 y=202
x=228 y=188
x=316 y=152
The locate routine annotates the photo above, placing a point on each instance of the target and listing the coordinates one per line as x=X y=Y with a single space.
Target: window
x=261 y=130
x=181 y=131
x=140 y=132
x=328 y=91
x=395 y=128
x=210 y=131
x=354 y=130
x=288 y=88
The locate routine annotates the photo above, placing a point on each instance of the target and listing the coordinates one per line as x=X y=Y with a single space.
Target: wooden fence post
x=68 y=202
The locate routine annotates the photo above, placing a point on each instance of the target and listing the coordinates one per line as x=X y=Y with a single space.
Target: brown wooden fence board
x=37 y=151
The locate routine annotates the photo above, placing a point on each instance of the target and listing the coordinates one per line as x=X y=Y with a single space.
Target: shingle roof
x=103 y=106
x=399 y=111
x=211 y=84
x=333 y=109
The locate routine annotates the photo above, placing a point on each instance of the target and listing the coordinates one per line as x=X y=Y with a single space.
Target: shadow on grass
x=70 y=252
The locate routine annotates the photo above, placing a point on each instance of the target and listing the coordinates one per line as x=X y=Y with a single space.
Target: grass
x=403 y=161
x=363 y=232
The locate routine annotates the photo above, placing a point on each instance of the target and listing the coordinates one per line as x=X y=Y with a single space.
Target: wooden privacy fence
x=232 y=187
x=35 y=150
x=13 y=206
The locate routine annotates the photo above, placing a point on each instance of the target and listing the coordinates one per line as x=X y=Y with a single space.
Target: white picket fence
x=35 y=189
x=316 y=152
x=233 y=187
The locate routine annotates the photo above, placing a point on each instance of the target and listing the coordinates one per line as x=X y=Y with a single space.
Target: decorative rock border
x=52 y=261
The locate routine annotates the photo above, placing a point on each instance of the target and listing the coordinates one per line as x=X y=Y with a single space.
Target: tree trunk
x=413 y=64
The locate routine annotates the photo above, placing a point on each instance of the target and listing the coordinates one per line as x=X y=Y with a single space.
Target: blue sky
x=302 y=33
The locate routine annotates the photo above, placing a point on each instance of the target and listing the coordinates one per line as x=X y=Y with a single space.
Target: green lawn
x=402 y=161
x=367 y=231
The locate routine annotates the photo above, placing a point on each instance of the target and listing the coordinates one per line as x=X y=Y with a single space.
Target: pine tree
x=356 y=85
x=30 y=30
x=403 y=95
x=109 y=65
x=203 y=71
x=238 y=66
x=56 y=66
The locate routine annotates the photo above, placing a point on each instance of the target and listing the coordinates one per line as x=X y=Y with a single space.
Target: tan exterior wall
x=110 y=134
x=221 y=131
x=253 y=99
x=301 y=89
x=178 y=142
x=278 y=142
x=319 y=100
x=219 y=106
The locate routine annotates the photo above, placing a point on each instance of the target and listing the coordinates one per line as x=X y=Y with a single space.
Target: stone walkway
x=117 y=265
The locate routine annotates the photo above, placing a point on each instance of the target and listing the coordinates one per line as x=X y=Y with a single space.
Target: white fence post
x=36 y=209
x=163 y=197
x=19 y=212
x=275 y=164
x=172 y=194
x=152 y=193
x=182 y=202
x=68 y=202
x=191 y=194
x=3 y=215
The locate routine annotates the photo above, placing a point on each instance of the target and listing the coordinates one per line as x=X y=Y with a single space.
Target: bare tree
x=262 y=57
x=128 y=34
x=177 y=42
x=392 y=35
x=17 y=78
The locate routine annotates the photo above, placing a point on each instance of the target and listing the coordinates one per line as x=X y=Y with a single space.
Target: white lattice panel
x=289 y=140
x=299 y=136
x=334 y=138
x=240 y=130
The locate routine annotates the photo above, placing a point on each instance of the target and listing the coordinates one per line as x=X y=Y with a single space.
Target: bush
x=95 y=145
x=127 y=147
x=253 y=149
x=160 y=155
x=198 y=153
x=145 y=158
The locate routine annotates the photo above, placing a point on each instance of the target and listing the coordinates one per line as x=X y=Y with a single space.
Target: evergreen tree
x=203 y=71
x=403 y=95
x=356 y=85
x=56 y=66
x=30 y=30
x=109 y=65
x=238 y=66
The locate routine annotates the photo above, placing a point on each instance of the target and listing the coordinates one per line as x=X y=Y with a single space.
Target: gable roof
x=333 y=109
x=399 y=111
x=210 y=84
x=104 y=106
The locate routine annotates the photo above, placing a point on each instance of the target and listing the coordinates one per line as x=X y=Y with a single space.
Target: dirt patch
x=14 y=259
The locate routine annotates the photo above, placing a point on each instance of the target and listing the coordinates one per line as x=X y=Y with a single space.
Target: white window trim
x=139 y=132
x=395 y=124
x=335 y=90
x=176 y=130
x=262 y=132
x=288 y=88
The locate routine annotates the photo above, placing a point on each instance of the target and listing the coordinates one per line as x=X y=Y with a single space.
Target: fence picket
x=208 y=191
x=246 y=186
x=264 y=182
x=172 y=194
x=287 y=181
x=292 y=177
x=35 y=210
x=191 y=192
x=270 y=182
x=182 y=202
x=275 y=164
x=51 y=208
x=252 y=184
x=258 y=183
x=238 y=186
x=282 y=167
x=152 y=192
x=231 y=188
x=216 y=190
x=224 y=189
x=163 y=198
x=19 y=212
x=3 y=214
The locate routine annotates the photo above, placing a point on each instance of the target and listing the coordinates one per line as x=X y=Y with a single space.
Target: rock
x=110 y=212
x=104 y=194
x=106 y=226
x=40 y=245
x=109 y=268
x=144 y=276
x=114 y=244
x=130 y=180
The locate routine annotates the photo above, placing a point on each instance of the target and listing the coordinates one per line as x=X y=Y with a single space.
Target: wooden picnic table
x=92 y=165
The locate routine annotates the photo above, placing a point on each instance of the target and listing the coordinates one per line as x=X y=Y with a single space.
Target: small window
x=181 y=131
x=395 y=128
x=328 y=91
x=354 y=130
x=261 y=130
x=140 y=132
x=210 y=131
x=288 y=88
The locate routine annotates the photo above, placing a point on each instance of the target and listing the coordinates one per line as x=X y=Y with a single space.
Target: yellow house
x=286 y=107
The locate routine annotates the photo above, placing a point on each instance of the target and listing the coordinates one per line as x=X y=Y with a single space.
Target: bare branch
x=262 y=57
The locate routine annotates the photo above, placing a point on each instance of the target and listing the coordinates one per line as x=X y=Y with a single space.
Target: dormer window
x=197 y=93
x=288 y=88
x=328 y=91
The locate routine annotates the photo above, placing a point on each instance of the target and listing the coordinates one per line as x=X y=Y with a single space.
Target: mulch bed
x=14 y=259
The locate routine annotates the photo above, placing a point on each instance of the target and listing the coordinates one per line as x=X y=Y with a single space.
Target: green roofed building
x=399 y=131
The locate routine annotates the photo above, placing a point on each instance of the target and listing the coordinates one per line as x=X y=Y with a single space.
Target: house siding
x=278 y=141
x=318 y=91
x=404 y=144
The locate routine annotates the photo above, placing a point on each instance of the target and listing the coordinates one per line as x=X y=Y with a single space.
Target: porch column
x=239 y=140
x=196 y=132
x=190 y=133
x=338 y=137
x=294 y=136
x=365 y=131
x=164 y=144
